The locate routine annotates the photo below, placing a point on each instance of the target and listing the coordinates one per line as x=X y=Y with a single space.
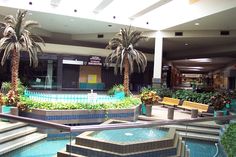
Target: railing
x=36 y=122
x=79 y=129
x=112 y=126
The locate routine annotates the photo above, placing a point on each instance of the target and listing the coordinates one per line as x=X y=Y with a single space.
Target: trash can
x=194 y=113
x=170 y=113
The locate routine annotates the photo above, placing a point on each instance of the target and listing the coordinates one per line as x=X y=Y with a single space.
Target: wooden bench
x=170 y=101
x=188 y=105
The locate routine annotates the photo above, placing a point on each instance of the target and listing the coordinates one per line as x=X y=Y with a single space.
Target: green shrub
x=164 y=92
x=228 y=140
x=189 y=95
x=6 y=87
x=115 y=89
x=125 y=103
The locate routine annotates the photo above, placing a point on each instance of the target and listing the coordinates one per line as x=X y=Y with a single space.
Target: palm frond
x=122 y=46
x=9 y=19
x=28 y=25
x=7 y=52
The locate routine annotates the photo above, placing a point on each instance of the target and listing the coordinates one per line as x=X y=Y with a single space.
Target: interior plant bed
x=79 y=113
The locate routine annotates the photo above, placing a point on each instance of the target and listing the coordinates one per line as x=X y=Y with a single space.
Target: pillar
x=59 y=72
x=48 y=80
x=156 y=80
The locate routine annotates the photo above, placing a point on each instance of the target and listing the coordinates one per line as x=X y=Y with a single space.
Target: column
x=48 y=80
x=59 y=72
x=156 y=80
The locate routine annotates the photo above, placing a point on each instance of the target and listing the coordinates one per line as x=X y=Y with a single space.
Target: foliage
x=17 y=36
x=29 y=104
x=115 y=89
x=228 y=140
x=2 y=101
x=149 y=96
x=204 y=98
x=12 y=98
x=124 y=54
x=6 y=87
x=219 y=100
x=164 y=92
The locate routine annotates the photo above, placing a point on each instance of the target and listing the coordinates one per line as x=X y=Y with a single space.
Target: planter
x=219 y=114
x=0 y=109
x=83 y=116
x=148 y=110
x=14 y=111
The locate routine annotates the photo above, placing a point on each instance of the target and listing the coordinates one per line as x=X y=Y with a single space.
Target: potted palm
x=149 y=98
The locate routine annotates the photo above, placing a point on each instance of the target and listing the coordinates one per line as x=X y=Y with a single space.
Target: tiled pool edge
x=83 y=116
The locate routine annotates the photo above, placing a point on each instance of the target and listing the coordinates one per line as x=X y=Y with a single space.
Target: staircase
x=17 y=135
x=201 y=131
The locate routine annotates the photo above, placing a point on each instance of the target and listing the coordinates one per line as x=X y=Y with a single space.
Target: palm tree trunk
x=15 y=69
x=126 y=76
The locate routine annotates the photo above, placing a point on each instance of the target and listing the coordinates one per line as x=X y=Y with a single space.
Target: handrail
x=37 y=122
x=83 y=128
x=145 y=124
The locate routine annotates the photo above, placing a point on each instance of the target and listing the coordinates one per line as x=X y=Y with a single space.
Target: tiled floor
x=160 y=113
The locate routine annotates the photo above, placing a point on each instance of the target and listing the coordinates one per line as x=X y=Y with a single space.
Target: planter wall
x=83 y=116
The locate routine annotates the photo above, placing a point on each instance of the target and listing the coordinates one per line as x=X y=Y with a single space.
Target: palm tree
x=16 y=39
x=124 y=54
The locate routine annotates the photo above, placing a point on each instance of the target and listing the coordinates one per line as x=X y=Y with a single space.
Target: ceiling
x=203 y=42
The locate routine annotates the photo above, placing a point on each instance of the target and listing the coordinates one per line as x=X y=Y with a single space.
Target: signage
x=74 y=62
x=94 y=60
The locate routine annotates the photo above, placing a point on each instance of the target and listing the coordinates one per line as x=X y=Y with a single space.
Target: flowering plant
x=12 y=98
x=219 y=100
x=149 y=97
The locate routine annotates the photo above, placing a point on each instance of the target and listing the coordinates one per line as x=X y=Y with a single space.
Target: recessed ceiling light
x=109 y=25
x=30 y=13
x=186 y=44
x=197 y=24
x=201 y=60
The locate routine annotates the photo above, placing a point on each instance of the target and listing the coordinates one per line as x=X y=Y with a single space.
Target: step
x=67 y=154
x=20 y=142
x=6 y=126
x=196 y=129
x=90 y=151
x=199 y=136
x=12 y=134
x=179 y=149
x=206 y=124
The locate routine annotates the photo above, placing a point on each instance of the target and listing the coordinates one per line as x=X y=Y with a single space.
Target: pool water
x=131 y=135
x=199 y=148
x=43 y=148
x=72 y=98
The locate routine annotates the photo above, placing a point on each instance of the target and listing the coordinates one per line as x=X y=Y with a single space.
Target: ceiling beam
x=102 y=6
x=55 y=3
x=150 y=8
